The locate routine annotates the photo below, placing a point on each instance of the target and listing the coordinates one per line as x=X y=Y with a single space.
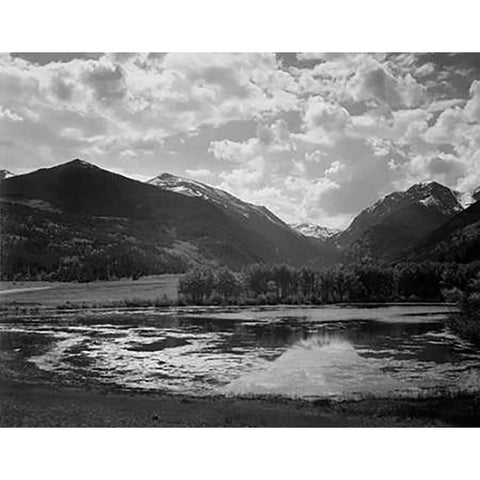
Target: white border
x=248 y=25
x=243 y=454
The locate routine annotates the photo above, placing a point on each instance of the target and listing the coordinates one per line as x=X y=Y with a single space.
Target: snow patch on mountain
x=193 y=188
x=429 y=194
x=314 y=230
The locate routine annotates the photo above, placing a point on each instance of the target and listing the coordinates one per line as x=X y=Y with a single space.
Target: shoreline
x=32 y=404
x=30 y=397
x=132 y=305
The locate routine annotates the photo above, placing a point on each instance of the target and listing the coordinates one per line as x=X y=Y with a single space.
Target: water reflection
x=308 y=352
x=321 y=366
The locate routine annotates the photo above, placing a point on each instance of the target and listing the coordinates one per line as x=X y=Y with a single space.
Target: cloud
x=9 y=115
x=235 y=151
x=374 y=82
x=324 y=121
x=201 y=174
x=425 y=70
x=472 y=108
x=136 y=94
x=107 y=81
x=328 y=117
x=275 y=137
x=317 y=137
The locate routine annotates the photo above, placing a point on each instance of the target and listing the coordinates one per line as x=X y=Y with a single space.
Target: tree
x=197 y=284
x=226 y=284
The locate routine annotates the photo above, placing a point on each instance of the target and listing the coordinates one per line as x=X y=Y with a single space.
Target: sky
x=314 y=137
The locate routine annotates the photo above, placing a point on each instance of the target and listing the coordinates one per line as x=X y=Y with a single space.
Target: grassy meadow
x=146 y=290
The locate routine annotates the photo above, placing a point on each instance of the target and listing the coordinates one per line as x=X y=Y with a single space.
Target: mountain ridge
x=395 y=223
x=76 y=211
x=189 y=187
x=80 y=210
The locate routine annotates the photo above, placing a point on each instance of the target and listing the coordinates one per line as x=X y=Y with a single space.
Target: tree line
x=466 y=322
x=354 y=283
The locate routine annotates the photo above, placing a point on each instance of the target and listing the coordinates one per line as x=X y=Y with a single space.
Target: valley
x=79 y=222
x=166 y=302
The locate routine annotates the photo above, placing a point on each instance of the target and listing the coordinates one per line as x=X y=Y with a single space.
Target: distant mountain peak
x=314 y=230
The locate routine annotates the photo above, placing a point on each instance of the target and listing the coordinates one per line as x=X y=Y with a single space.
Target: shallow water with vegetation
x=317 y=352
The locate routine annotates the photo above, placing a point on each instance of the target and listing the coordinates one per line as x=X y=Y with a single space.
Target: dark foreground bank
x=25 y=404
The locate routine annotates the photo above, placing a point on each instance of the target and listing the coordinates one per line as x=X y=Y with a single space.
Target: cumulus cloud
x=324 y=121
x=202 y=174
x=472 y=108
x=270 y=138
x=235 y=151
x=373 y=82
x=9 y=115
x=107 y=81
x=314 y=138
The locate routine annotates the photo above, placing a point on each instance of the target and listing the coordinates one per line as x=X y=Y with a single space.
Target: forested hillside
x=77 y=221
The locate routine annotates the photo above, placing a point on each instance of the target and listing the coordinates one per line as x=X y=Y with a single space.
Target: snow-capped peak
x=185 y=186
x=193 y=188
x=429 y=194
x=313 y=230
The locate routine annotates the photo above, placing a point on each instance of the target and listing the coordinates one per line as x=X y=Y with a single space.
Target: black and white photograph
x=284 y=238
x=238 y=230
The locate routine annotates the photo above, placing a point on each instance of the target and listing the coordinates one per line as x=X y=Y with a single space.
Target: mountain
x=315 y=231
x=258 y=219
x=216 y=196
x=399 y=221
x=78 y=221
x=5 y=174
x=476 y=194
x=457 y=240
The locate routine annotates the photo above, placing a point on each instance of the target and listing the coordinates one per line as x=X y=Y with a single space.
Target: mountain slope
x=216 y=196
x=457 y=240
x=257 y=219
x=58 y=219
x=400 y=220
x=437 y=198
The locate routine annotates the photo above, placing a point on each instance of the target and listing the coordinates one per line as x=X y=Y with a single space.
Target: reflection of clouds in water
x=322 y=366
x=263 y=351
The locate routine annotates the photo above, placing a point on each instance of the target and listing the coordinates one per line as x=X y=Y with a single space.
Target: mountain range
x=76 y=221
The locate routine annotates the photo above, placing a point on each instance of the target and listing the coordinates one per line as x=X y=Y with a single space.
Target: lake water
x=318 y=352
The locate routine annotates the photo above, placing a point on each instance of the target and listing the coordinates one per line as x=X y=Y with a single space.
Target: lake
x=318 y=352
